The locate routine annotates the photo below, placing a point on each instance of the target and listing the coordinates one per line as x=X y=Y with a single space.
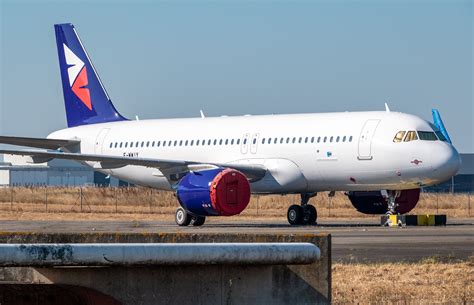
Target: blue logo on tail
x=85 y=97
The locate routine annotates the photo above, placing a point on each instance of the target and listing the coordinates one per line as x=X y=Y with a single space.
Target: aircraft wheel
x=312 y=214
x=198 y=221
x=182 y=217
x=295 y=215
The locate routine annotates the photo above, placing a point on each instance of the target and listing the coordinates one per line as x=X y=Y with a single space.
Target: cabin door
x=365 y=139
x=99 y=141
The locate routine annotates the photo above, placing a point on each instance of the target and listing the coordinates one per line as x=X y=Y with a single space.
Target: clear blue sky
x=170 y=59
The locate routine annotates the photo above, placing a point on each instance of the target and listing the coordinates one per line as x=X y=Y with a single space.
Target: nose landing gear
x=391 y=197
x=303 y=214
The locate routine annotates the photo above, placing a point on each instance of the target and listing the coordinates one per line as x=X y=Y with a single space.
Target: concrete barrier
x=179 y=284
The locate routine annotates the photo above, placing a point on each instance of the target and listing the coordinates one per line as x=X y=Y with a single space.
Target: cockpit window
x=441 y=136
x=427 y=136
x=399 y=136
x=411 y=136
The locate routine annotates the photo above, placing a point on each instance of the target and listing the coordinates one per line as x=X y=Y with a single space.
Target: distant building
x=463 y=182
x=16 y=171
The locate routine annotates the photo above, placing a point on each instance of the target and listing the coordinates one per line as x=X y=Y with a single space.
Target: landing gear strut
x=303 y=214
x=391 y=201
x=183 y=218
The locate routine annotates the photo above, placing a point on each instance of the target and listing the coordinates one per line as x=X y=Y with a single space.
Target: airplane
x=380 y=159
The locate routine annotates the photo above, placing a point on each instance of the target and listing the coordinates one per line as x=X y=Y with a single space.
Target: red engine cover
x=230 y=192
x=375 y=203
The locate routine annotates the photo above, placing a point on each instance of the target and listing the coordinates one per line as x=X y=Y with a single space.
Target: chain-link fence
x=139 y=200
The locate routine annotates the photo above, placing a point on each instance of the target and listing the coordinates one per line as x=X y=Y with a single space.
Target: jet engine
x=375 y=203
x=215 y=192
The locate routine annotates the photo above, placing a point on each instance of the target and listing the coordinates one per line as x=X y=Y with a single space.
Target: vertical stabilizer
x=85 y=97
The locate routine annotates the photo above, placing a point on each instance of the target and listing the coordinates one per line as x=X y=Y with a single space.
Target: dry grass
x=428 y=282
x=149 y=204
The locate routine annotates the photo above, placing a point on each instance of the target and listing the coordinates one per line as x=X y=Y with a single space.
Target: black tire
x=198 y=221
x=182 y=218
x=295 y=215
x=312 y=214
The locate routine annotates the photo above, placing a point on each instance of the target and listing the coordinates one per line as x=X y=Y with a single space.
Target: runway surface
x=352 y=241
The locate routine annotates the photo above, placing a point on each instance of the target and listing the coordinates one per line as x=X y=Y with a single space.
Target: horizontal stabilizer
x=39 y=142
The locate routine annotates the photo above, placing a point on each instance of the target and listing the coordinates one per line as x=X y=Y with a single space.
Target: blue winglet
x=438 y=122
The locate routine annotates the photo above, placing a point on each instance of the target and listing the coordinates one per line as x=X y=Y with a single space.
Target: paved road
x=357 y=241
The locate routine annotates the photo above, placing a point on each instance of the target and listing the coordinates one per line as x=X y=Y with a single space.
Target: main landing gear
x=183 y=218
x=304 y=214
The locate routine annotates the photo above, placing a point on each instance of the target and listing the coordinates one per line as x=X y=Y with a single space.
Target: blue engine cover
x=194 y=194
x=215 y=192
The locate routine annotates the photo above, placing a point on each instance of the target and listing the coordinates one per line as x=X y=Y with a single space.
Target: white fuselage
x=346 y=151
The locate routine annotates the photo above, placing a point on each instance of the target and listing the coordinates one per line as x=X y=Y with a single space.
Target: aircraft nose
x=445 y=161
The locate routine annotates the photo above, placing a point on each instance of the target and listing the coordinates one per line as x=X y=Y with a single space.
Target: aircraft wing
x=170 y=168
x=38 y=142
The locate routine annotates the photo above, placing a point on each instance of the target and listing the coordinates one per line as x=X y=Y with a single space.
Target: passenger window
x=281 y=140
x=143 y=143
x=215 y=141
x=337 y=139
x=197 y=142
x=226 y=141
x=411 y=136
x=238 y=141
x=319 y=139
x=263 y=140
x=136 y=144
x=254 y=141
x=350 y=139
x=325 y=139
x=399 y=136
x=116 y=144
x=126 y=144
x=344 y=139
x=275 y=140
x=192 y=142
x=120 y=144
x=294 y=140
x=300 y=139
x=158 y=144
x=427 y=136
x=147 y=143
x=175 y=143
x=330 y=139
x=312 y=139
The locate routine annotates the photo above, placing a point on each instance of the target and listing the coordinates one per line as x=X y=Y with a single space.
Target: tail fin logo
x=77 y=73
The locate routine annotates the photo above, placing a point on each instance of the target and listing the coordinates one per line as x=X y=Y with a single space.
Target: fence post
x=80 y=195
x=115 y=200
x=46 y=198
x=469 y=203
x=329 y=205
x=437 y=203
x=258 y=203
x=11 y=198
x=151 y=197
